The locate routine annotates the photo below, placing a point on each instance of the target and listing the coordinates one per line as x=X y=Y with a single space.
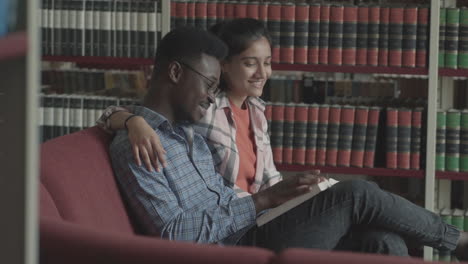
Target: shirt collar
x=222 y=101
x=155 y=119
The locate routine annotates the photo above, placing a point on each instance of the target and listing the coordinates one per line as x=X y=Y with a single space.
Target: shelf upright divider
x=432 y=112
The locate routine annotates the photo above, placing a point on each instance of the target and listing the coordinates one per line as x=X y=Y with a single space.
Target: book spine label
x=335 y=52
x=422 y=44
x=311 y=143
x=359 y=137
x=301 y=34
x=404 y=138
x=287 y=33
x=314 y=34
x=288 y=133
x=349 y=35
x=346 y=136
x=300 y=134
x=333 y=135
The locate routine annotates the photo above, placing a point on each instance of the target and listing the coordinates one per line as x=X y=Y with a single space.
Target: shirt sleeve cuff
x=244 y=212
x=104 y=121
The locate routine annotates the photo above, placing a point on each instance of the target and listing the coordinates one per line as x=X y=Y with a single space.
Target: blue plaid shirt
x=187 y=200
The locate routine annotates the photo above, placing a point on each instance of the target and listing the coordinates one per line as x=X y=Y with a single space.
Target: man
x=188 y=200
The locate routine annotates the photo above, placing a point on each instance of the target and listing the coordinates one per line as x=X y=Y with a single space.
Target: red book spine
x=359 y=136
x=181 y=14
x=252 y=10
x=395 y=35
x=277 y=115
x=373 y=36
x=287 y=33
x=288 y=134
x=346 y=136
x=333 y=135
x=301 y=34
x=404 y=138
x=361 y=42
x=240 y=9
x=349 y=35
x=220 y=11
x=410 y=31
x=322 y=130
x=263 y=12
x=324 y=33
x=300 y=134
x=200 y=14
x=422 y=44
x=383 y=35
x=371 y=137
x=211 y=13
x=229 y=9
x=392 y=138
x=416 y=123
x=335 y=50
x=274 y=26
x=314 y=34
x=312 y=123
x=190 y=13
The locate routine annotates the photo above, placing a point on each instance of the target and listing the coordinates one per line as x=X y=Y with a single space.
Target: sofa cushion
x=76 y=171
x=47 y=205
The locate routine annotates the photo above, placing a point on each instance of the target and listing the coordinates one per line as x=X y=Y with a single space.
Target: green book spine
x=452 y=149
x=443 y=20
x=464 y=141
x=440 y=140
x=463 y=39
x=451 y=38
x=458 y=218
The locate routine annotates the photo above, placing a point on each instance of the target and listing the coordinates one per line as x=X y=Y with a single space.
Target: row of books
x=63 y=114
x=308 y=89
x=458 y=218
x=322 y=134
x=7 y=16
x=452 y=140
x=325 y=34
x=453 y=38
x=117 y=28
x=98 y=82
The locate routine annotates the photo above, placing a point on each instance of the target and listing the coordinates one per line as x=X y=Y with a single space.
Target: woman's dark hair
x=238 y=34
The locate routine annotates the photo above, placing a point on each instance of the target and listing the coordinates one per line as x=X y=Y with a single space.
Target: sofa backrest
x=78 y=184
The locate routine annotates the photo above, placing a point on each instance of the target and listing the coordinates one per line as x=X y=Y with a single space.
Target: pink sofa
x=83 y=217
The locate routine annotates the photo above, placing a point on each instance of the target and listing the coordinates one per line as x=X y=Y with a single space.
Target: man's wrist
x=131 y=120
x=261 y=201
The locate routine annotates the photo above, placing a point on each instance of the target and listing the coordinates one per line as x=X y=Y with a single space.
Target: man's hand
x=286 y=190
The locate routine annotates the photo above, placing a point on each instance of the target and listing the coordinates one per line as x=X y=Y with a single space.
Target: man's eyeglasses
x=212 y=87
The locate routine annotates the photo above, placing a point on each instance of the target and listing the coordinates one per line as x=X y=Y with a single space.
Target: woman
x=234 y=127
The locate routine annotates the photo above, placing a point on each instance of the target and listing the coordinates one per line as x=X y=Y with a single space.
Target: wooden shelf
x=13 y=45
x=102 y=62
x=355 y=171
x=453 y=72
x=350 y=69
x=451 y=175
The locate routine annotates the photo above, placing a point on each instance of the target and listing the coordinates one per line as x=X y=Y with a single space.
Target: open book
x=277 y=211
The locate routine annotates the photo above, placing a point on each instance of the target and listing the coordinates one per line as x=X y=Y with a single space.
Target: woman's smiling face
x=246 y=73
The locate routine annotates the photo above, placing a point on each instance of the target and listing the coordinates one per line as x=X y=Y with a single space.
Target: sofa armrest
x=64 y=242
x=306 y=256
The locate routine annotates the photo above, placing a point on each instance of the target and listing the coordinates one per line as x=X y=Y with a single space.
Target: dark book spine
x=200 y=14
x=452 y=141
x=190 y=13
x=135 y=30
x=287 y=33
x=362 y=30
x=274 y=26
x=404 y=138
x=416 y=123
x=106 y=29
x=142 y=44
x=464 y=141
x=391 y=138
x=451 y=38
x=301 y=33
x=66 y=114
x=324 y=33
x=240 y=9
x=288 y=133
x=96 y=45
x=349 y=35
x=373 y=36
x=322 y=134
x=48 y=131
x=359 y=136
x=220 y=10
x=277 y=123
x=410 y=24
x=383 y=35
x=311 y=142
x=180 y=13
x=252 y=10
x=463 y=40
x=65 y=28
x=440 y=140
x=335 y=51
x=371 y=137
x=300 y=134
x=346 y=136
x=442 y=27
x=152 y=29
x=127 y=27
x=88 y=39
x=57 y=45
x=395 y=36
x=211 y=13
x=314 y=34
x=333 y=135
x=422 y=43
x=76 y=113
x=45 y=28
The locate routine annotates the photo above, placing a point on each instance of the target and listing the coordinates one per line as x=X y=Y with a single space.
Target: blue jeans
x=354 y=215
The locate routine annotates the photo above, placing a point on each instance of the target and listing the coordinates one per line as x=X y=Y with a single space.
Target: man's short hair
x=188 y=44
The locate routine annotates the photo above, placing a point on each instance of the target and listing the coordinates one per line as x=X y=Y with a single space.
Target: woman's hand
x=145 y=144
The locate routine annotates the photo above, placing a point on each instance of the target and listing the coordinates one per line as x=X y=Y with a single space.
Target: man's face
x=199 y=80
